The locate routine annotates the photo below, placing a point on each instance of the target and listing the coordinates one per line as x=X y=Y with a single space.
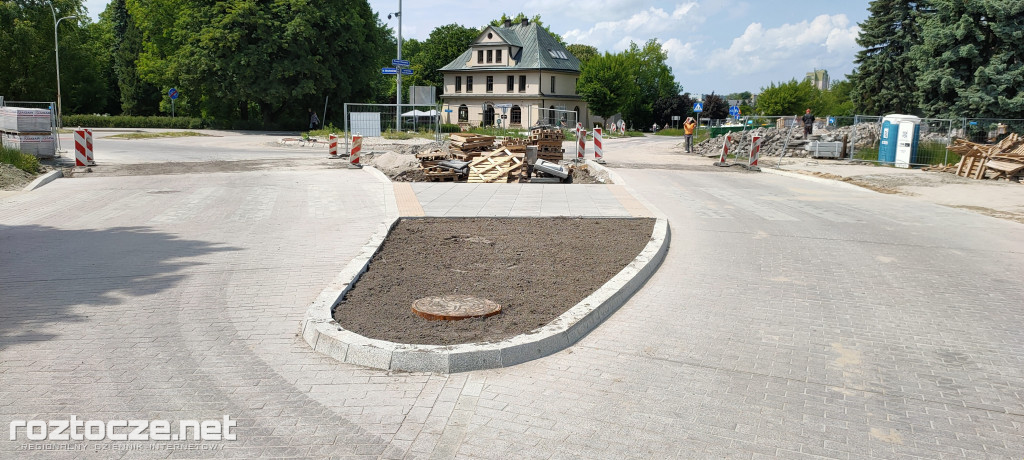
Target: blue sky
x=713 y=45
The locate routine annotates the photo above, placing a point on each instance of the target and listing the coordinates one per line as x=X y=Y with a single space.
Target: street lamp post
x=398 y=89
x=56 y=53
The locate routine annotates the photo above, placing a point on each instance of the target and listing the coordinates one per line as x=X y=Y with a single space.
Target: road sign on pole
x=399 y=62
x=389 y=71
x=173 y=93
x=407 y=71
x=734 y=111
x=698 y=107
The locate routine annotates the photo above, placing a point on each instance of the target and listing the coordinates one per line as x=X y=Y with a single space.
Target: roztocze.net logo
x=74 y=429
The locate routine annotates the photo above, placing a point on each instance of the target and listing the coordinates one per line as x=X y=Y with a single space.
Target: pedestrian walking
x=808 y=120
x=314 y=121
x=688 y=127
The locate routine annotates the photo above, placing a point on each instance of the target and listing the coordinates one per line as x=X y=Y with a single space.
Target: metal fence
x=376 y=120
x=989 y=130
x=565 y=119
x=935 y=136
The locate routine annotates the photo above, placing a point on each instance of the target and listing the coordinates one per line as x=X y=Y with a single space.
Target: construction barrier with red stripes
x=334 y=147
x=755 y=149
x=598 y=147
x=81 y=158
x=722 y=161
x=88 y=148
x=357 y=147
x=581 y=144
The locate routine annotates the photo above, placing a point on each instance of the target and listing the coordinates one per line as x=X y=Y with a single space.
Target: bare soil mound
x=535 y=268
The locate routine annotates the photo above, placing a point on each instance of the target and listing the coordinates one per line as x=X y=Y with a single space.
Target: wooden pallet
x=498 y=166
x=1004 y=169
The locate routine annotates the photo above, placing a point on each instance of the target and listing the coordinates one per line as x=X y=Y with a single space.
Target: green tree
x=136 y=97
x=835 y=101
x=789 y=98
x=715 y=107
x=680 y=105
x=971 y=59
x=276 y=57
x=444 y=44
x=651 y=78
x=884 y=80
x=583 y=52
x=605 y=84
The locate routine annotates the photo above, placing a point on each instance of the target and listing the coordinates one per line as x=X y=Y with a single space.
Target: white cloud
x=649 y=22
x=803 y=45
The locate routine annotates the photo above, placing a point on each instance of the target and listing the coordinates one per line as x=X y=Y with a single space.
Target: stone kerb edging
x=43 y=180
x=326 y=336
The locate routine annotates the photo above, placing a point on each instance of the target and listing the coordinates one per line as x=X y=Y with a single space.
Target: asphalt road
x=790 y=319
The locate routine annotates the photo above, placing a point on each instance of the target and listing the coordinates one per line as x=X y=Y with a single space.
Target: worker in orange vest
x=688 y=126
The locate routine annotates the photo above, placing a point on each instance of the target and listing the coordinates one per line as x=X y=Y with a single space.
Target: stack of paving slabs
x=548 y=142
x=1004 y=160
x=28 y=131
x=467 y=146
x=499 y=166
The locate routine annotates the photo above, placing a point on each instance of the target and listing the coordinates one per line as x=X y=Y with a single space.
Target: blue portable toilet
x=890 y=135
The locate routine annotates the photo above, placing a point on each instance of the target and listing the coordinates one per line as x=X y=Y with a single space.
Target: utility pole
x=398 y=90
x=56 y=53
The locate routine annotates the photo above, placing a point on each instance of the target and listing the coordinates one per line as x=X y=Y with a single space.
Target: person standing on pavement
x=808 y=120
x=314 y=121
x=688 y=127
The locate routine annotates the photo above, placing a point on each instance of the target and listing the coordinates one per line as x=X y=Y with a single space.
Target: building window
x=480 y=56
x=458 y=84
x=552 y=84
x=490 y=56
x=497 y=56
x=578 y=114
x=576 y=88
x=551 y=114
x=522 y=83
x=469 y=84
x=463 y=113
x=511 y=84
x=517 y=115
x=490 y=84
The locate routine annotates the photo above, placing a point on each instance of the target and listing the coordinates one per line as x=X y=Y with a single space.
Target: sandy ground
x=535 y=268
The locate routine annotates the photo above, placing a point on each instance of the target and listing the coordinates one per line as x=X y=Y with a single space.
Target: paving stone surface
x=790 y=319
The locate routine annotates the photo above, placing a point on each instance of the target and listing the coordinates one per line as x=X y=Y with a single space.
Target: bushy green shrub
x=123 y=121
x=450 y=128
x=22 y=161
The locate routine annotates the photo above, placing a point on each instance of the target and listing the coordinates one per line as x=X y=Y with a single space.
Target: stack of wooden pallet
x=499 y=166
x=466 y=146
x=1005 y=159
x=431 y=157
x=514 y=144
x=548 y=142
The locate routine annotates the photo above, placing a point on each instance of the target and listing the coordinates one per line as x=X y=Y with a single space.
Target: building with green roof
x=518 y=69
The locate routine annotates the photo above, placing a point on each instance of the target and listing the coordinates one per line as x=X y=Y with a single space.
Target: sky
x=721 y=46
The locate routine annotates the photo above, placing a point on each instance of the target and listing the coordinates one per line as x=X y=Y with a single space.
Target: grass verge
x=156 y=135
x=22 y=161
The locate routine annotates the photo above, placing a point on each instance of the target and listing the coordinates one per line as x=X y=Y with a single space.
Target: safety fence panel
x=989 y=130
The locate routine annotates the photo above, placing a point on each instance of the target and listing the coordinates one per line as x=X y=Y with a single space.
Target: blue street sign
x=447 y=110
x=389 y=71
x=397 y=62
x=734 y=110
x=831 y=120
x=973 y=123
x=173 y=93
x=407 y=71
x=698 y=107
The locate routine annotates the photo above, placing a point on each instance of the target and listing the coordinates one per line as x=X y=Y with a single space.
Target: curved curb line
x=43 y=180
x=820 y=180
x=326 y=336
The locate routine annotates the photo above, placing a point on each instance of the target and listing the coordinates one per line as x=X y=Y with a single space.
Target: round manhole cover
x=454 y=307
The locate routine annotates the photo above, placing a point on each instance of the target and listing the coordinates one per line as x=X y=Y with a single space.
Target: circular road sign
x=173 y=92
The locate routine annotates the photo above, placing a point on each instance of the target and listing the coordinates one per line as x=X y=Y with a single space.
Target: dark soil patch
x=535 y=268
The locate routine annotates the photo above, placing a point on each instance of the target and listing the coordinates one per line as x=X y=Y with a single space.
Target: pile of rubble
x=1004 y=160
x=774 y=141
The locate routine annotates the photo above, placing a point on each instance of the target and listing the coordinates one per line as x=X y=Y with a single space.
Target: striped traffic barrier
x=357 y=146
x=725 y=152
x=598 y=147
x=334 y=147
x=80 y=157
x=88 y=148
x=755 y=150
x=581 y=145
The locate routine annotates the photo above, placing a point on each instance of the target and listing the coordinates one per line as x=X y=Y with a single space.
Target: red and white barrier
x=88 y=148
x=81 y=159
x=581 y=144
x=755 y=149
x=598 y=147
x=725 y=149
x=334 y=147
x=357 y=147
